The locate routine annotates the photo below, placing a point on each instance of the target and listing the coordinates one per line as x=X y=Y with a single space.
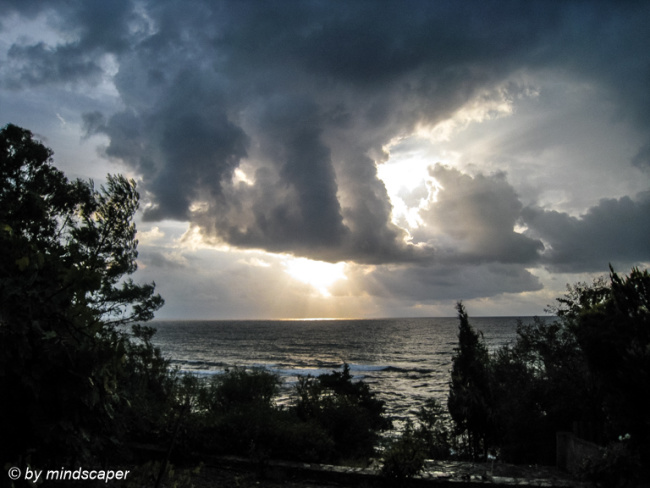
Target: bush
x=429 y=438
x=240 y=388
x=235 y=413
x=434 y=431
x=619 y=466
x=346 y=411
x=404 y=457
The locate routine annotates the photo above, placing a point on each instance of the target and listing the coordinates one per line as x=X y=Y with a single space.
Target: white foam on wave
x=367 y=367
x=356 y=369
x=202 y=372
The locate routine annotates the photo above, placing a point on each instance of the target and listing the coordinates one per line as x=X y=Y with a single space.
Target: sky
x=350 y=159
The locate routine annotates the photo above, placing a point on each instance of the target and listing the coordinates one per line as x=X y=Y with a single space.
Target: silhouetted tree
x=588 y=371
x=613 y=331
x=541 y=385
x=469 y=401
x=66 y=363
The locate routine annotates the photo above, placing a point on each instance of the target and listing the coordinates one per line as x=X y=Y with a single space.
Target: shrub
x=233 y=413
x=333 y=418
x=346 y=411
x=404 y=457
x=429 y=438
x=434 y=431
x=241 y=388
x=618 y=467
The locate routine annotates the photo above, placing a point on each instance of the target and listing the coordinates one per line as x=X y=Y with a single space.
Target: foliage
x=155 y=394
x=404 y=457
x=587 y=371
x=429 y=438
x=239 y=388
x=234 y=412
x=434 y=430
x=614 y=335
x=469 y=390
x=540 y=386
x=347 y=411
x=333 y=417
x=65 y=358
x=619 y=466
x=84 y=379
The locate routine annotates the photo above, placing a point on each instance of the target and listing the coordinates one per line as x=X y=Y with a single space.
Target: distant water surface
x=405 y=361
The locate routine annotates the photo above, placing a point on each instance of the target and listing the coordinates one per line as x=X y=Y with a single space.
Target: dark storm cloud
x=305 y=95
x=615 y=230
x=95 y=29
x=291 y=136
x=36 y=64
x=445 y=282
x=184 y=147
x=642 y=158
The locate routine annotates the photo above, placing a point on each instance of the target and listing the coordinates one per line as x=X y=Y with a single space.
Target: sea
x=405 y=361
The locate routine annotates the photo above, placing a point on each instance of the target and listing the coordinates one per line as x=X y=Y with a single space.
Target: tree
x=469 y=401
x=541 y=385
x=587 y=371
x=614 y=334
x=65 y=294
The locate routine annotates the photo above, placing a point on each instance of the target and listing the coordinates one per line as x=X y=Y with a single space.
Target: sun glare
x=319 y=274
x=402 y=176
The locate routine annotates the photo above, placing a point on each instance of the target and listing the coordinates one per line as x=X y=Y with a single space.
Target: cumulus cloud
x=473 y=219
x=615 y=230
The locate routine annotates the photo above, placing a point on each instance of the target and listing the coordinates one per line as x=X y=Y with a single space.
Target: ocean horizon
x=405 y=361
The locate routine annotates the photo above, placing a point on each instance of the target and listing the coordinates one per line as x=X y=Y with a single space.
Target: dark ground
x=211 y=477
x=232 y=475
